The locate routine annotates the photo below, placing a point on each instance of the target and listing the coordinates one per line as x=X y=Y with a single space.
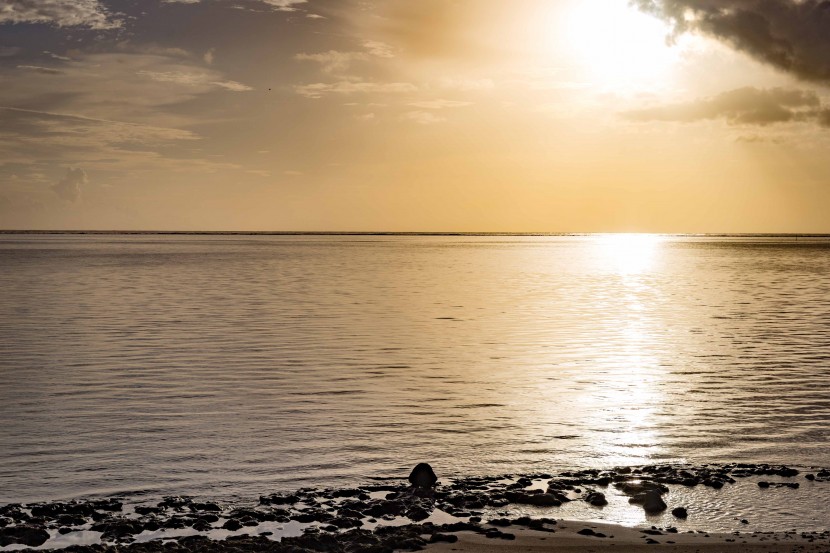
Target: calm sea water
x=229 y=366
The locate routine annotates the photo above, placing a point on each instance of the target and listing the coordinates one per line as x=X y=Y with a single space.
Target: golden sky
x=416 y=115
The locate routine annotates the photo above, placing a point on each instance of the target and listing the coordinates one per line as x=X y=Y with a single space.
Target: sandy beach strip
x=620 y=539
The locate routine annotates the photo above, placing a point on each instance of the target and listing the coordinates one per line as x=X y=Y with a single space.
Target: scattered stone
x=597 y=499
x=680 y=512
x=447 y=538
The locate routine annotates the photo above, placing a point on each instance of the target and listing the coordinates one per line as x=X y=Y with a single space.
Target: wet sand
x=619 y=539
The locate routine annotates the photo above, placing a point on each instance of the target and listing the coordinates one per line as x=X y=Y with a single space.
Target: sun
x=612 y=44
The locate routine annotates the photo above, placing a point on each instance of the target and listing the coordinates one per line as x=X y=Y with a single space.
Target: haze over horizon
x=667 y=116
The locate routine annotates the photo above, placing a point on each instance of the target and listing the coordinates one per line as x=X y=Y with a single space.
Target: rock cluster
x=337 y=518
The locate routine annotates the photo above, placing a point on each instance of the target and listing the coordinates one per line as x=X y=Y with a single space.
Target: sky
x=405 y=115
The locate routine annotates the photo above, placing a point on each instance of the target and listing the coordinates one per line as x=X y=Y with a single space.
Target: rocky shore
x=383 y=517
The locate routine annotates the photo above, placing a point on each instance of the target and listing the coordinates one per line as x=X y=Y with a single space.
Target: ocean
x=228 y=366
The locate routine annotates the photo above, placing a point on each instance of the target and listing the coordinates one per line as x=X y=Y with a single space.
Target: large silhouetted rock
x=422 y=476
x=32 y=536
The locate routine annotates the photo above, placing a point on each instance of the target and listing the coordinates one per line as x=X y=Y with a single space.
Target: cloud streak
x=743 y=106
x=318 y=90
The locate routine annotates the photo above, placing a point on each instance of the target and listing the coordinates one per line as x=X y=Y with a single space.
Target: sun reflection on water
x=629 y=253
x=628 y=403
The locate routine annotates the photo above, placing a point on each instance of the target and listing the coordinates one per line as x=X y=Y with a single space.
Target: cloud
x=791 y=35
x=69 y=187
x=277 y=5
x=336 y=61
x=284 y=5
x=743 y=106
x=61 y=13
x=379 y=49
x=439 y=104
x=193 y=78
x=333 y=61
x=39 y=69
x=423 y=117
x=467 y=85
x=318 y=90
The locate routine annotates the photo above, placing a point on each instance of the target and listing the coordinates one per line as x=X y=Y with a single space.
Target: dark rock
x=32 y=536
x=763 y=484
x=202 y=525
x=495 y=533
x=640 y=488
x=417 y=514
x=175 y=502
x=232 y=525
x=146 y=510
x=537 y=499
x=447 y=538
x=422 y=476
x=346 y=493
x=503 y=522
x=597 y=499
x=277 y=499
x=117 y=528
x=64 y=530
x=344 y=522
x=587 y=532
x=210 y=507
x=653 y=503
x=680 y=512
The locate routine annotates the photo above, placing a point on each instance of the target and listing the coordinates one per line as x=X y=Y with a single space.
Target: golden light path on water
x=627 y=402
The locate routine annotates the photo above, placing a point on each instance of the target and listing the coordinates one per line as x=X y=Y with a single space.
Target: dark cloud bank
x=791 y=35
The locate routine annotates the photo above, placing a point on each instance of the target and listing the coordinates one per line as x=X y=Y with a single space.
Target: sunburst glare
x=616 y=45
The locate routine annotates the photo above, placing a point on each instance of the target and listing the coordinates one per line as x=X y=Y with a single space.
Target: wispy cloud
x=318 y=90
x=61 y=13
x=277 y=5
x=743 y=106
x=191 y=78
x=439 y=104
x=336 y=61
x=423 y=117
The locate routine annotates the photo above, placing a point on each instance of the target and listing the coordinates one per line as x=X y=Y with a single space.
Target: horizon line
x=404 y=233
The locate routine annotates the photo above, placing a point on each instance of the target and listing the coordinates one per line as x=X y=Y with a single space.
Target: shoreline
x=581 y=536
x=497 y=509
